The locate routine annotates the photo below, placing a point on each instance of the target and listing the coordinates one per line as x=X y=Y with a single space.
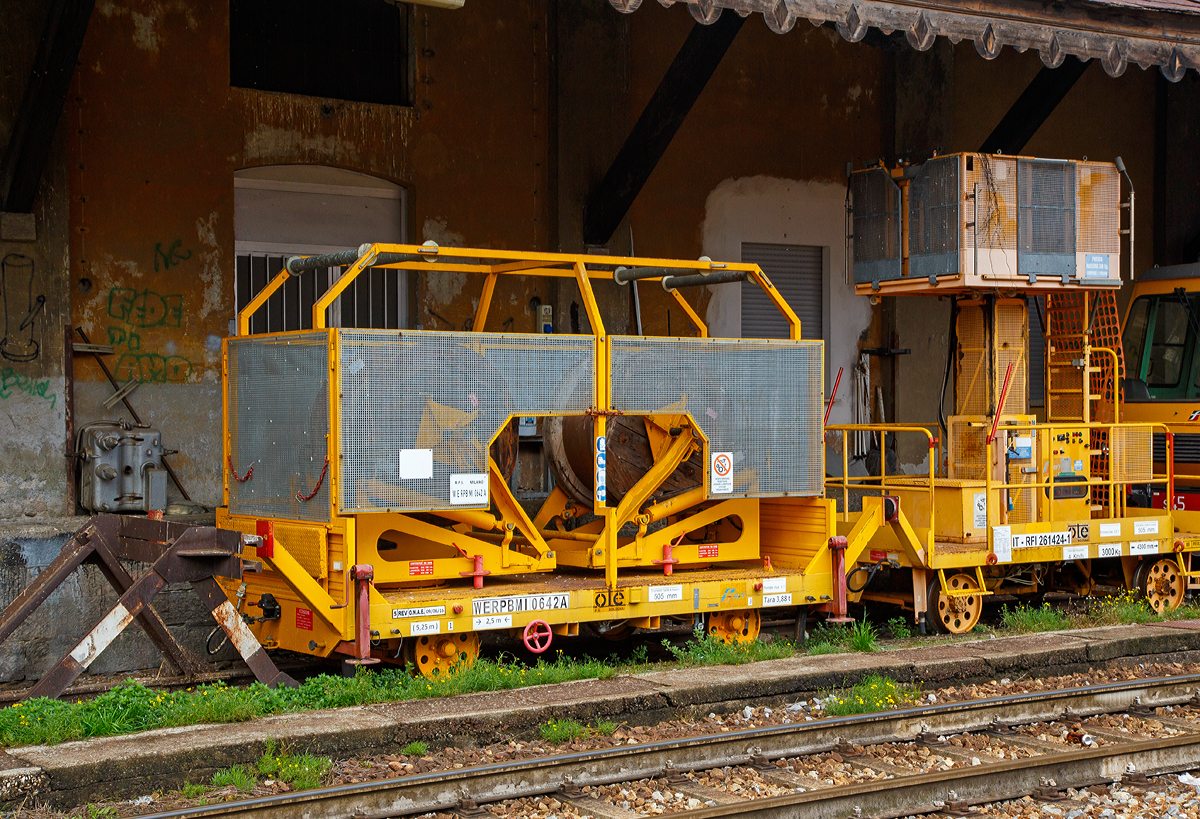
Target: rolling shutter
x=797 y=271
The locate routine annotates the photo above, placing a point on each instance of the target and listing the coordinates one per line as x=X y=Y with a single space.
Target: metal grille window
x=876 y=226
x=797 y=271
x=933 y=203
x=377 y=299
x=1046 y=220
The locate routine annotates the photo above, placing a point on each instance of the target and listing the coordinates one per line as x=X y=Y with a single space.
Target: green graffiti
x=118 y=336
x=173 y=255
x=11 y=380
x=145 y=308
x=153 y=368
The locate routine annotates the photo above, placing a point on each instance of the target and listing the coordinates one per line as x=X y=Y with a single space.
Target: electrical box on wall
x=121 y=468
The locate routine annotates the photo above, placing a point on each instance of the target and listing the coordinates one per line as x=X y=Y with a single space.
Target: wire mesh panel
x=876 y=226
x=990 y=234
x=418 y=410
x=1131 y=448
x=278 y=426
x=1046 y=225
x=759 y=402
x=934 y=197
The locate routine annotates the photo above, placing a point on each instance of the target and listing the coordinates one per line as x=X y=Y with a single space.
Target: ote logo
x=609 y=599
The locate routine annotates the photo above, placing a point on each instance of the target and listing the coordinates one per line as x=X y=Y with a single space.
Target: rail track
x=463 y=790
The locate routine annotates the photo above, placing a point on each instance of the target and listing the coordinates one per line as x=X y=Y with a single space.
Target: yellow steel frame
x=509 y=541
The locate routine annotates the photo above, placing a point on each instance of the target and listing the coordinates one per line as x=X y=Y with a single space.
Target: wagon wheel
x=438 y=655
x=740 y=626
x=955 y=614
x=1162 y=583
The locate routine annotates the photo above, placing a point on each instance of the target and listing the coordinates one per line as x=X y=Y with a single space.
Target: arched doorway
x=290 y=210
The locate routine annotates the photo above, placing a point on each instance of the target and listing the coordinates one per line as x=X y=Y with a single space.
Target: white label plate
x=1033 y=540
x=665 y=594
x=1075 y=552
x=1110 y=550
x=525 y=602
x=1110 y=530
x=425 y=627
x=492 y=621
x=774 y=585
x=416 y=464
x=777 y=599
x=419 y=611
x=1143 y=547
x=468 y=489
x=1145 y=527
x=722 y=473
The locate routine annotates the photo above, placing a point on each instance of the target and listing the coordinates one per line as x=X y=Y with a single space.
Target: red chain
x=317 y=488
x=232 y=471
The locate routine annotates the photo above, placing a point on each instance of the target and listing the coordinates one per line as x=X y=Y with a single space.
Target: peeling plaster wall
x=763 y=209
x=35 y=304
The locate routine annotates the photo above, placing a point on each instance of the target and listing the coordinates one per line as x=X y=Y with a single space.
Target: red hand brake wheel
x=537 y=636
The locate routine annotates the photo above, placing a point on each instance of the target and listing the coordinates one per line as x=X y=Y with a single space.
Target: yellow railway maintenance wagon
x=374 y=465
x=1008 y=502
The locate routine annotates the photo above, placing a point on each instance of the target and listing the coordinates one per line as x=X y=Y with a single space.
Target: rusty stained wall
x=33 y=296
x=157 y=133
x=795 y=106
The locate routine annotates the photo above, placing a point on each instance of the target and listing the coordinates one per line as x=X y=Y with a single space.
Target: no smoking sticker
x=721 y=482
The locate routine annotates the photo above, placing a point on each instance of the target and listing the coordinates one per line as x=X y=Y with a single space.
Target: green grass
x=872 y=693
x=899 y=628
x=863 y=636
x=416 y=748
x=96 y=812
x=131 y=707
x=565 y=730
x=191 y=791
x=1025 y=619
x=708 y=649
x=301 y=771
x=239 y=776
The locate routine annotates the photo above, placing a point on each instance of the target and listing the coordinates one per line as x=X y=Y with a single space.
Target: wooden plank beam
x=656 y=127
x=33 y=130
x=1033 y=107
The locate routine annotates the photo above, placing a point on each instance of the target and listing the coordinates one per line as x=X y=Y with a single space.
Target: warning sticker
x=722 y=473
x=304 y=619
x=979 y=508
x=708 y=550
x=420 y=567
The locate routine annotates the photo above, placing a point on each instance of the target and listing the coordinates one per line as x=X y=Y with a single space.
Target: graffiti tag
x=145 y=308
x=173 y=255
x=153 y=368
x=11 y=380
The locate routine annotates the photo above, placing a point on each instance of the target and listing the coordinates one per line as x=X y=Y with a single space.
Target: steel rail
x=444 y=790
